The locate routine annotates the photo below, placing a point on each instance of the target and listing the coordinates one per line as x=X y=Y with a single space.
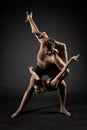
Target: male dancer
x=47 y=64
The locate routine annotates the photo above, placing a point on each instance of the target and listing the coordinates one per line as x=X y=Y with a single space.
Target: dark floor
x=42 y=113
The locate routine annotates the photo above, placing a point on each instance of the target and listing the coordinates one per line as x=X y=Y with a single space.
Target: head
x=50 y=46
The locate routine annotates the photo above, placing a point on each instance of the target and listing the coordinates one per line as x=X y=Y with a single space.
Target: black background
x=63 y=20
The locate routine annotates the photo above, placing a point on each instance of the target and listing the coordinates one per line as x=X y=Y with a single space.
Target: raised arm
x=34 y=27
x=32 y=23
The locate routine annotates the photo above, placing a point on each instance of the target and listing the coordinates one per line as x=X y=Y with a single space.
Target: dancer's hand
x=28 y=15
x=30 y=69
x=76 y=57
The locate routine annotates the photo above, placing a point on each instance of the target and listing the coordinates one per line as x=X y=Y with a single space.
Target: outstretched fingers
x=76 y=57
x=28 y=15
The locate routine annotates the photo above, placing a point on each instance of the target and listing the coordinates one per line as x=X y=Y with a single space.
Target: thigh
x=31 y=83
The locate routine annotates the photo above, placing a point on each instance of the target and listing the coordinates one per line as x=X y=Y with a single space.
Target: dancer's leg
x=26 y=97
x=62 y=90
x=62 y=98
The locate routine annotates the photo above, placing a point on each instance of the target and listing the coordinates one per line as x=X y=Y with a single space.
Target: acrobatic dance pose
x=50 y=84
x=51 y=59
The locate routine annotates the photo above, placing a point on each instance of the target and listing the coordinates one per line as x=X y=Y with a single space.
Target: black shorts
x=51 y=71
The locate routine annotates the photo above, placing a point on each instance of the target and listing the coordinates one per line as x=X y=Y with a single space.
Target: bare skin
x=59 y=59
x=43 y=61
x=54 y=82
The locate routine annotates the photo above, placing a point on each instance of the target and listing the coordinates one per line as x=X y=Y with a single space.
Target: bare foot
x=14 y=115
x=64 y=111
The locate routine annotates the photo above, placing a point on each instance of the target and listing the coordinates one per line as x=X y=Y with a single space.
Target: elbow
x=64 y=46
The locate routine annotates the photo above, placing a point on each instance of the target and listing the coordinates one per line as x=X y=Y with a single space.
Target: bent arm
x=62 y=50
x=59 y=76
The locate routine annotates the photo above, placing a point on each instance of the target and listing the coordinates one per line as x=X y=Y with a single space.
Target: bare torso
x=43 y=59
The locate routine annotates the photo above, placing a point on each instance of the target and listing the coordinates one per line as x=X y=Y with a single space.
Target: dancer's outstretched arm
x=34 y=27
x=56 y=80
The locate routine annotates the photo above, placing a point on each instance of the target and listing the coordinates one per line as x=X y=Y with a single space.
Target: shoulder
x=62 y=44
